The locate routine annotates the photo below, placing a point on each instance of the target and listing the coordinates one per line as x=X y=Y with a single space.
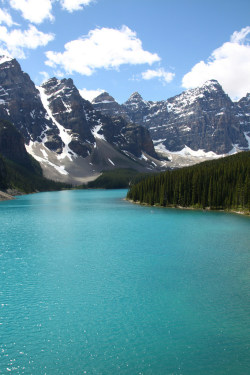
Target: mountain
x=204 y=118
x=20 y=103
x=65 y=133
x=75 y=140
x=19 y=171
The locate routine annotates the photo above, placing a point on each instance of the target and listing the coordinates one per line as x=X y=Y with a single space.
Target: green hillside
x=217 y=184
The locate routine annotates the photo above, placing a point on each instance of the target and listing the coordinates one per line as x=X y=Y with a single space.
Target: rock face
x=202 y=118
x=67 y=109
x=242 y=111
x=20 y=103
x=59 y=126
x=127 y=137
x=107 y=105
x=81 y=121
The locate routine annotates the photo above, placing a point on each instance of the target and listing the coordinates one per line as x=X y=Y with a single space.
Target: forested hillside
x=217 y=184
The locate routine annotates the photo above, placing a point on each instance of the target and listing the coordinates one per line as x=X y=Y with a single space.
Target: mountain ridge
x=75 y=140
x=203 y=118
x=71 y=140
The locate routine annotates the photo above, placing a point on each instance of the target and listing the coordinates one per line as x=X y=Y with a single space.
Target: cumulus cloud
x=160 y=73
x=102 y=48
x=229 y=64
x=90 y=94
x=6 y=18
x=72 y=5
x=35 y=11
x=15 y=41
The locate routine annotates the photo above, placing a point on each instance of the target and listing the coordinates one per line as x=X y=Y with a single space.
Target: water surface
x=90 y=283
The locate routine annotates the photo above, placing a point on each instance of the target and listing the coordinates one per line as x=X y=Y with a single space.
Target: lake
x=92 y=284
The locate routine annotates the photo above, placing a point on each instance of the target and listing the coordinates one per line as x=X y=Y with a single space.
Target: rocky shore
x=5 y=196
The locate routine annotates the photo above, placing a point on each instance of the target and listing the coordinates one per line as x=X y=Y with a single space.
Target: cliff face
x=67 y=108
x=126 y=136
x=202 y=118
x=20 y=103
x=60 y=127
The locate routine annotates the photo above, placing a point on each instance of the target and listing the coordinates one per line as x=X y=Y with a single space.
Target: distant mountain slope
x=216 y=184
x=204 y=118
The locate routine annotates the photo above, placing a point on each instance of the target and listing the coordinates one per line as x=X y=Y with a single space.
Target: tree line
x=218 y=184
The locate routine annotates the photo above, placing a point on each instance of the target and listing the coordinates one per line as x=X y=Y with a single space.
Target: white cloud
x=240 y=36
x=14 y=42
x=160 y=73
x=101 y=48
x=229 y=64
x=72 y=5
x=35 y=11
x=90 y=94
x=6 y=18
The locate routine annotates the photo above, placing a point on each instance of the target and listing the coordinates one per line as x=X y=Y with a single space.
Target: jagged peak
x=54 y=82
x=50 y=82
x=5 y=58
x=211 y=84
x=104 y=97
x=135 y=97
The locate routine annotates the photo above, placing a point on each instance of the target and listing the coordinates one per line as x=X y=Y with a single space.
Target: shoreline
x=208 y=209
x=10 y=195
x=5 y=196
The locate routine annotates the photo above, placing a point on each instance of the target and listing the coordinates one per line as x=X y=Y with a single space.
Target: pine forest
x=219 y=184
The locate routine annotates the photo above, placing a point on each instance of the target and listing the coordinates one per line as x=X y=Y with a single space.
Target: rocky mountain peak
x=20 y=102
x=202 y=118
x=212 y=83
x=134 y=98
x=106 y=104
x=104 y=97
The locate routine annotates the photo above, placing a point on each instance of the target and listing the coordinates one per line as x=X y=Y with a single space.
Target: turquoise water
x=91 y=284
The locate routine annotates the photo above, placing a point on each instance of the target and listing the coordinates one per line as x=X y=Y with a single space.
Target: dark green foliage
x=116 y=179
x=217 y=184
x=18 y=177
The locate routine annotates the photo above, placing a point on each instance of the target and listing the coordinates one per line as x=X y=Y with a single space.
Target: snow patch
x=247 y=136
x=159 y=141
x=32 y=114
x=4 y=59
x=105 y=102
x=187 y=151
x=143 y=157
x=44 y=159
x=65 y=136
x=96 y=134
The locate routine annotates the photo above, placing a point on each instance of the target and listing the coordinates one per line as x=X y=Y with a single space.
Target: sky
x=158 y=48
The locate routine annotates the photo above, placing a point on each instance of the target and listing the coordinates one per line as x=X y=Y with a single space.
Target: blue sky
x=156 y=47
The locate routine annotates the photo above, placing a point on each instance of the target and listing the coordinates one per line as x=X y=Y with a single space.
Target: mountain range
x=74 y=140
x=204 y=118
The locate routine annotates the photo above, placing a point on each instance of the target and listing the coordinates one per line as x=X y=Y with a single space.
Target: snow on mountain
x=64 y=132
x=203 y=118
